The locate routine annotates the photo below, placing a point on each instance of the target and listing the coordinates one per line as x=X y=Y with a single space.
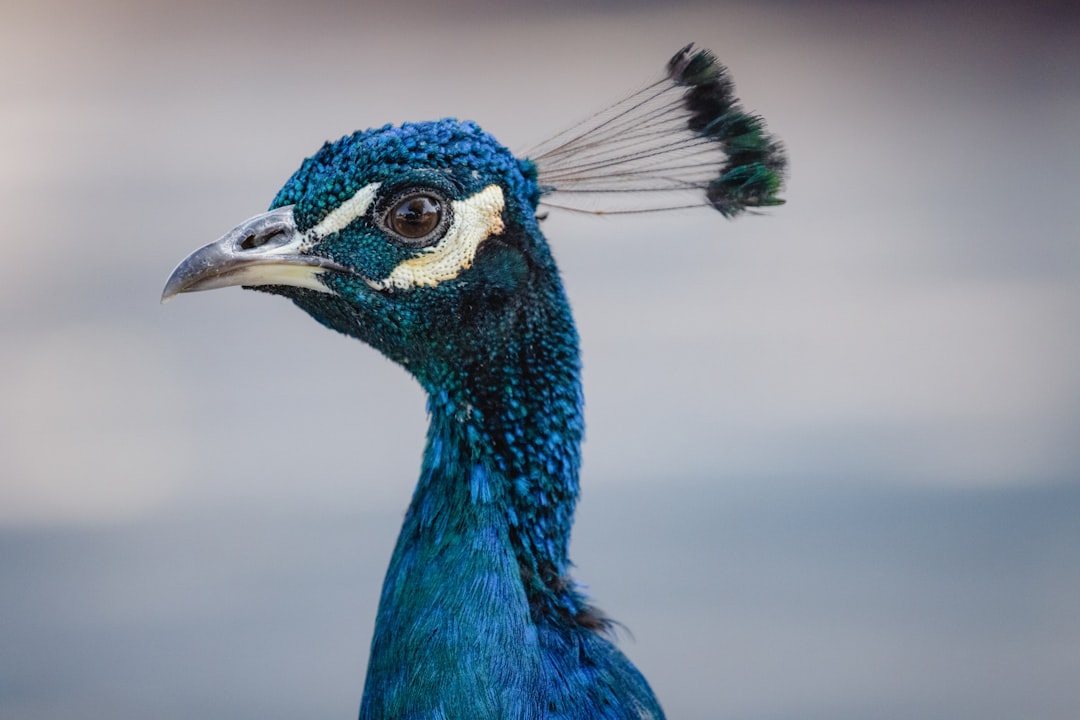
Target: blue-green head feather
x=424 y=296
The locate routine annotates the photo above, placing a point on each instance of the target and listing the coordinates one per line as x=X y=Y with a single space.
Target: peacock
x=423 y=240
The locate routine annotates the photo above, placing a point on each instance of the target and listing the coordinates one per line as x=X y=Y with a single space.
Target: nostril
x=251 y=242
x=255 y=240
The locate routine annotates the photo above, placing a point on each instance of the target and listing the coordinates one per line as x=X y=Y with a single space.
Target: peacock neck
x=504 y=438
x=481 y=565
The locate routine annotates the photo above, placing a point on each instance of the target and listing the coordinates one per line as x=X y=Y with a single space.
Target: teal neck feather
x=482 y=560
x=478 y=617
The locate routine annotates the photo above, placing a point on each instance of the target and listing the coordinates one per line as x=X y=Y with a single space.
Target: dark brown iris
x=415 y=216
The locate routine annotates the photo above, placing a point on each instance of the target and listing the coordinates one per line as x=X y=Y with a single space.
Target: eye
x=416 y=216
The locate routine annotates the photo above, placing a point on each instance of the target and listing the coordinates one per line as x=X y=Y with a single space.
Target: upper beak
x=264 y=250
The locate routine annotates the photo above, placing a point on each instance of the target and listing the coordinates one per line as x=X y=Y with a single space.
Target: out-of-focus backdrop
x=833 y=462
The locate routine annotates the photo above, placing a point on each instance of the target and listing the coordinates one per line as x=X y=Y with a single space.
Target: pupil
x=415 y=217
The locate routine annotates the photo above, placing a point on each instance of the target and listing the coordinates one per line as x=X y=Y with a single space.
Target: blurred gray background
x=833 y=462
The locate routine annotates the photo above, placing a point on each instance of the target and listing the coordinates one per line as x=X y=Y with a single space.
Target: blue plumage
x=423 y=241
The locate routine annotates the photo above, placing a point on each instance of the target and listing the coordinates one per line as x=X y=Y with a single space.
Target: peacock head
x=422 y=240
x=415 y=239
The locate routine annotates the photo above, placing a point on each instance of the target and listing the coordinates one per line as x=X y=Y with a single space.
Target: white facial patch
x=340 y=217
x=475 y=219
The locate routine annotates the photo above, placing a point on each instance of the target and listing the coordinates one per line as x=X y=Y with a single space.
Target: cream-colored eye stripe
x=342 y=216
x=476 y=218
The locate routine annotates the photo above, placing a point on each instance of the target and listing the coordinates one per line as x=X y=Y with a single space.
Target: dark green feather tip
x=754 y=173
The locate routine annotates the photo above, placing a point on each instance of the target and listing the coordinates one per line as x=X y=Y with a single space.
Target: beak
x=265 y=250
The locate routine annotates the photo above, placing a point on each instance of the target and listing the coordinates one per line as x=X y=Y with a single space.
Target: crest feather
x=684 y=141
